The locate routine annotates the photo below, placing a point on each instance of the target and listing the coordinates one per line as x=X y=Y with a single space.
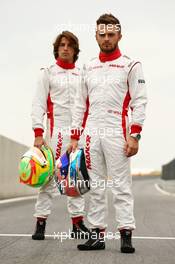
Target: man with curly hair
x=54 y=97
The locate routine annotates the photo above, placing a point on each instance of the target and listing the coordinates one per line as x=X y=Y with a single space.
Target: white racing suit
x=112 y=88
x=55 y=95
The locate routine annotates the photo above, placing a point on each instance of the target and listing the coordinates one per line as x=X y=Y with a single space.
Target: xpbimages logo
x=103 y=28
x=103 y=236
x=100 y=184
x=102 y=132
x=82 y=27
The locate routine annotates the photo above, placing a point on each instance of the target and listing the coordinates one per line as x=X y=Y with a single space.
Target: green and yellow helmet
x=36 y=167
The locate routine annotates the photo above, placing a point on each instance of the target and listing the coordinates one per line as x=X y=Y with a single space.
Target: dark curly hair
x=73 y=41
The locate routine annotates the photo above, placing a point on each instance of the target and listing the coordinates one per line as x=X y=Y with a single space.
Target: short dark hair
x=73 y=41
x=109 y=19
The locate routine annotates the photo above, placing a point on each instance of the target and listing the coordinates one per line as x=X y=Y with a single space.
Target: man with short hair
x=54 y=96
x=113 y=83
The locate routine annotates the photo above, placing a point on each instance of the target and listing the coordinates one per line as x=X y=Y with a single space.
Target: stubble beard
x=108 y=50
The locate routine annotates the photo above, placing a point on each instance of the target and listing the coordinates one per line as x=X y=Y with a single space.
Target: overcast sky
x=28 y=29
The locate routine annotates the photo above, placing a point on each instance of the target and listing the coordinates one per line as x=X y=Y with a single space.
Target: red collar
x=109 y=57
x=65 y=65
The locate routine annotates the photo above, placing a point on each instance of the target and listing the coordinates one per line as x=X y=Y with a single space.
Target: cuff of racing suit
x=135 y=129
x=76 y=219
x=75 y=134
x=38 y=132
